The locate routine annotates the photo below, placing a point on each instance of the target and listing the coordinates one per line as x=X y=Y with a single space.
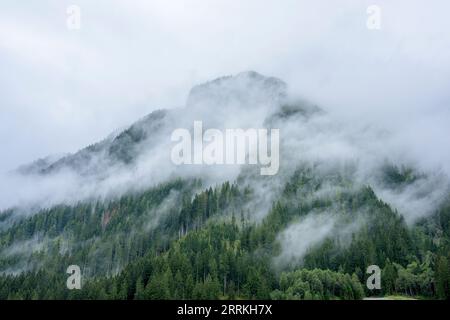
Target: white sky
x=61 y=89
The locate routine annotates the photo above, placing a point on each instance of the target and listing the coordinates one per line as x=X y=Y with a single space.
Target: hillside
x=140 y=227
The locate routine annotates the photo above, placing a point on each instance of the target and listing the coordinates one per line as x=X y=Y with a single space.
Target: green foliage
x=177 y=242
x=318 y=284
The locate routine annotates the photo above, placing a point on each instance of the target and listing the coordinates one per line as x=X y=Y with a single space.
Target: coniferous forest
x=206 y=245
x=242 y=154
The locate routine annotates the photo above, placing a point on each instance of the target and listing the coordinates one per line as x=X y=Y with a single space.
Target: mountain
x=140 y=227
x=91 y=159
x=244 y=91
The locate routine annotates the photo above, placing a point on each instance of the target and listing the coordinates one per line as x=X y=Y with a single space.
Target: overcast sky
x=63 y=89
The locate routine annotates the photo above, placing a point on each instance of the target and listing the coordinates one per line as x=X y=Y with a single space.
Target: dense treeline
x=318 y=284
x=105 y=237
x=172 y=242
x=209 y=263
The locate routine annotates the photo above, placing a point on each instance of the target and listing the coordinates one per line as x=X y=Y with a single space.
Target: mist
x=129 y=59
x=384 y=93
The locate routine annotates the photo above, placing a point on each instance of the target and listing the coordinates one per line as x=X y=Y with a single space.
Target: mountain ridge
x=211 y=93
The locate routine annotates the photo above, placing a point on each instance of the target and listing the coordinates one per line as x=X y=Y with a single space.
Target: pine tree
x=139 y=295
x=443 y=278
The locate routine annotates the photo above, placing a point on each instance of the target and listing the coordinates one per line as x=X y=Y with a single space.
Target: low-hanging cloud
x=384 y=92
x=131 y=58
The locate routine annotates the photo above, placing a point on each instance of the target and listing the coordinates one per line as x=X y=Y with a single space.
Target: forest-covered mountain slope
x=142 y=229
